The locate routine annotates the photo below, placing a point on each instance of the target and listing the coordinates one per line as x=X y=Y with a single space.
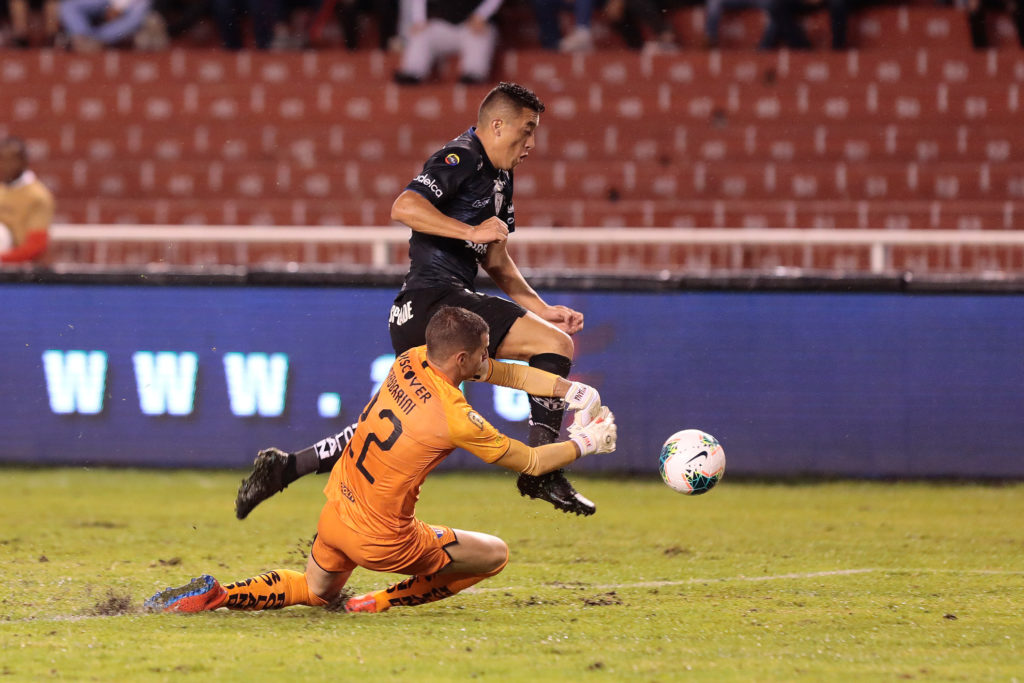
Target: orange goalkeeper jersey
x=414 y=421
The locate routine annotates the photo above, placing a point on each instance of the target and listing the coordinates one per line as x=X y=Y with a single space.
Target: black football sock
x=320 y=457
x=546 y=413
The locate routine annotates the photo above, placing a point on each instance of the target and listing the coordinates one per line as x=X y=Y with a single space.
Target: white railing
x=383 y=240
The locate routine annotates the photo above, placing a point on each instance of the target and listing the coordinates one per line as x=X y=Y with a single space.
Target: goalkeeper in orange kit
x=414 y=421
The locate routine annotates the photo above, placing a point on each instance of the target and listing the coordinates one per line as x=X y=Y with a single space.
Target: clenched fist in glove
x=585 y=400
x=597 y=437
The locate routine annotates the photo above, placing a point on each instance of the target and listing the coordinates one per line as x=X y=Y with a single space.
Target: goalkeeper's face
x=473 y=363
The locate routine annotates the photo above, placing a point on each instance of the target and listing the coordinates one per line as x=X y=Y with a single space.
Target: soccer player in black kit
x=460 y=211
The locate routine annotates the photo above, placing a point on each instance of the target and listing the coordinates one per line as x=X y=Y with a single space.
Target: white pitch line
x=683 y=582
x=652 y=584
x=725 y=579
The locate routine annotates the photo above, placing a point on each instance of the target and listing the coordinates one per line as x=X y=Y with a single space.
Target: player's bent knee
x=500 y=557
x=553 y=340
x=531 y=336
x=564 y=344
x=478 y=553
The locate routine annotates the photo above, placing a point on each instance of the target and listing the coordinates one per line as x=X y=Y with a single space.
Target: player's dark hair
x=453 y=329
x=507 y=94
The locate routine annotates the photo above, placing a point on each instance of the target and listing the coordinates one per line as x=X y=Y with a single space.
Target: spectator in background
x=713 y=10
x=291 y=28
x=178 y=17
x=20 y=11
x=643 y=24
x=93 y=24
x=977 y=18
x=444 y=27
x=838 y=18
x=349 y=13
x=230 y=15
x=26 y=206
x=547 y=13
x=784 y=28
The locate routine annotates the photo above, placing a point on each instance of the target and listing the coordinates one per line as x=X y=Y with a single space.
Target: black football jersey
x=462 y=183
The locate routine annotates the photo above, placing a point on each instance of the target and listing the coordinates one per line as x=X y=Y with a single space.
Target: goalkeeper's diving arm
x=595 y=430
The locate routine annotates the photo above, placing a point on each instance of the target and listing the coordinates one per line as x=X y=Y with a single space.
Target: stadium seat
x=917 y=136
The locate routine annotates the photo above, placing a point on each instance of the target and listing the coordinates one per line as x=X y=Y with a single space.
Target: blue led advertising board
x=857 y=384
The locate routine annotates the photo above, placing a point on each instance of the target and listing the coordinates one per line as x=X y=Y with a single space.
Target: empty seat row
x=615 y=143
x=542 y=179
x=919 y=215
x=663 y=104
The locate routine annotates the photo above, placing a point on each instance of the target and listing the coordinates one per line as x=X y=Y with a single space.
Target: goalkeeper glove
x=585 y=400
x=597 y=437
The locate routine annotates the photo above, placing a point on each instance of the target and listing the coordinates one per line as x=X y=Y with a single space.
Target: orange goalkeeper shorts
x=337 y=548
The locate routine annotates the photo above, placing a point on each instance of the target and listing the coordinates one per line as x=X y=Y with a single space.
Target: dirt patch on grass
x=338 y=603
x=114 y=603
x=603 y=599
x=301 y=549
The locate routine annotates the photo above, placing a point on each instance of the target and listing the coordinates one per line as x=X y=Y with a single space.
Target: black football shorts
x=412 y=310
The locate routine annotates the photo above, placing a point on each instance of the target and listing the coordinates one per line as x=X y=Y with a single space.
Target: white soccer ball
x=692 y=462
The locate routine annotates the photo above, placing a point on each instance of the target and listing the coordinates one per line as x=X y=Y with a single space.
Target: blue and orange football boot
x=198 y=595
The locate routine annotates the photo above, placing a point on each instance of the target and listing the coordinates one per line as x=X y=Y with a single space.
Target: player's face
x=520 y=136
x=476 y=360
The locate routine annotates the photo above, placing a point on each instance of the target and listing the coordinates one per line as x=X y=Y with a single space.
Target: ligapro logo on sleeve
x=430 y=183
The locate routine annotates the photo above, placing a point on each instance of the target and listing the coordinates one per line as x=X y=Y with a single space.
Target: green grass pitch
x=751 y=582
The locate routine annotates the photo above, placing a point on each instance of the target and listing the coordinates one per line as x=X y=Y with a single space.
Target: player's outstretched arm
x=599 y=436
x=537 y=382
x=581 y=398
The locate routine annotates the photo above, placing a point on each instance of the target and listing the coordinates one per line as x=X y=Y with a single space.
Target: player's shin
x=546 y=413
x=272 y=590
x=545 y=426
x=418 y=590
x=321 y=456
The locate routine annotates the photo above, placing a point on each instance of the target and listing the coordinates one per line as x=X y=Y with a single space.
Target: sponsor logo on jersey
x=400 y=316
x=476 y=419
x=452 y=160
x=347 y=492
x=416 y=387
x=430 y=183
x=479 y=249
x=481 y=203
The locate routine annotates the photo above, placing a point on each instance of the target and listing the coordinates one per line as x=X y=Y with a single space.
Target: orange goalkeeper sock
x=419 y=590
x=273 y=590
